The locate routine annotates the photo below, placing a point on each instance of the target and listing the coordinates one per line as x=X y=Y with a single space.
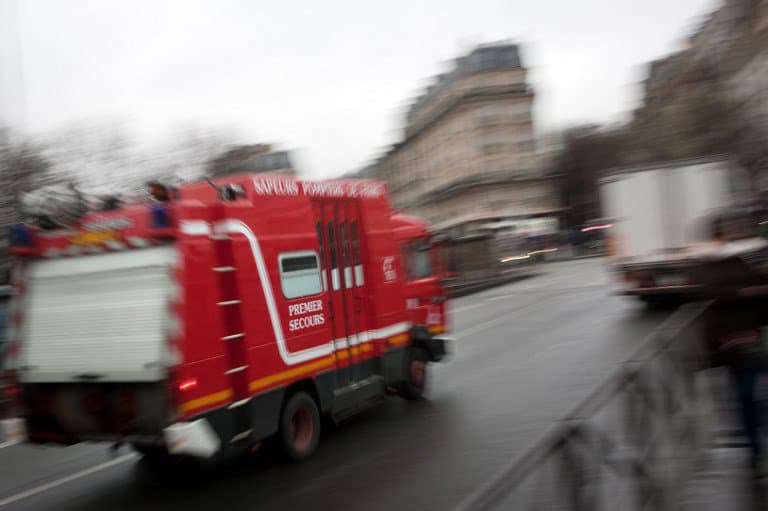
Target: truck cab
x=423 y=273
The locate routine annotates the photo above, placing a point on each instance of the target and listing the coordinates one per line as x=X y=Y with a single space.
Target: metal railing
x=630 y=444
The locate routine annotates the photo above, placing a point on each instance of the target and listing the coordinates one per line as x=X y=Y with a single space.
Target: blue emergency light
x=160 y=218
x=19 y=235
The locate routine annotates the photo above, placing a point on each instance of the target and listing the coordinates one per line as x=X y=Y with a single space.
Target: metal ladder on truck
x=232 y=335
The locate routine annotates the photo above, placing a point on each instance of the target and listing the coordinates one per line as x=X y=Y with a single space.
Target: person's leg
x=745 y=381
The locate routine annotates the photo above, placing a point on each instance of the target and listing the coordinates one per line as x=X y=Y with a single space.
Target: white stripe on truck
x=231 y=226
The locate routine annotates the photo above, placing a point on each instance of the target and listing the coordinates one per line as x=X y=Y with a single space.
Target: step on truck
x=219 y=314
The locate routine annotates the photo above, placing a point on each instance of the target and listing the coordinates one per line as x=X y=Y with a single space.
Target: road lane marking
x=466 y=307
x=546 y=289
x=501 y=319
x=3 y=445
x=58 y=482
x=479 y=328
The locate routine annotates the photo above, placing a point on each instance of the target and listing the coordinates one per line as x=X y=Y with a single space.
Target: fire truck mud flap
x=438 y=347
x=196 y=438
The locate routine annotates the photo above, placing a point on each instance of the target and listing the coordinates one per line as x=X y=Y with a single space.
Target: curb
x=475 y=287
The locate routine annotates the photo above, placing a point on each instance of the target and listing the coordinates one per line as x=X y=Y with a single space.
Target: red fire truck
x=220 y=314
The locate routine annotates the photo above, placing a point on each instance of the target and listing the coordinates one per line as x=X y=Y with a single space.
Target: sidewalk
x=723 y=483
x=722 y=480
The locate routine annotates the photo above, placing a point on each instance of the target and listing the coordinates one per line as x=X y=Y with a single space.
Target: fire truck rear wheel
x=151 y=451
x=153 y=454
x=416 y=375
x=300 y=426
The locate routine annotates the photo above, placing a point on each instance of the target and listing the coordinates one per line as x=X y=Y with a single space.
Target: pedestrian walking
x=734 y=276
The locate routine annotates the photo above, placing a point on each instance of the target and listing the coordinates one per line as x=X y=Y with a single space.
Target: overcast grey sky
x=330 y=78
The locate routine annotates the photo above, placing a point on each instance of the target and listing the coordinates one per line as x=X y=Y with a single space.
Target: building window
x=526 y=145
x=488 y=114
x=493 y=142
x=300 y=274
x=498 y=165
x=492 y=148
x=519 y=111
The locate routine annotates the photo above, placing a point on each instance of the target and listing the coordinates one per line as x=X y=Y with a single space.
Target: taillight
x=178 y=388
x=11 y=395
x=187 y=384
x=178 y=384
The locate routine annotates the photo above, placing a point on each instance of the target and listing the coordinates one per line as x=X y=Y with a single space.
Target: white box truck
x=661 y=223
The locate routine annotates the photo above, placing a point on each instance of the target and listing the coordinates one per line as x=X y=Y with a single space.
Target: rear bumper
x=196 y=438
x=13 y=431
x=682 y=289
x=663 y=265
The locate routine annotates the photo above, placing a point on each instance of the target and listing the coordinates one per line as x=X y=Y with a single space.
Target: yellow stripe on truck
x=208 y=400
x=399 y=339
x=436 y=329
x=344 y=354
x=290 y=373
x=266 y=381
x=226 y=395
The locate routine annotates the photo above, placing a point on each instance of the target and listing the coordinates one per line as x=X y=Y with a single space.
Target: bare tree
x=236 y=159
x=98 y=154
x=23 y=168
x=587 y=152
x=186 y=157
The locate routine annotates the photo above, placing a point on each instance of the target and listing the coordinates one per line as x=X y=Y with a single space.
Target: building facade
x=252 y=158
x=711 y=97
x=468 y=154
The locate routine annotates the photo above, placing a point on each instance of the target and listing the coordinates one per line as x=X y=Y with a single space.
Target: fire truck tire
x=150 y=450
x=153 y=454
x=300 y=426
x=413 y=386
x=662 y=303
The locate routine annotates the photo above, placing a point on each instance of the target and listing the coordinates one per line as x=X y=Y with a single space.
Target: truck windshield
x=416 y=260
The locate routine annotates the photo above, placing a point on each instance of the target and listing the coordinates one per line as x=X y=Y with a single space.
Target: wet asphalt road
x=525 y=354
